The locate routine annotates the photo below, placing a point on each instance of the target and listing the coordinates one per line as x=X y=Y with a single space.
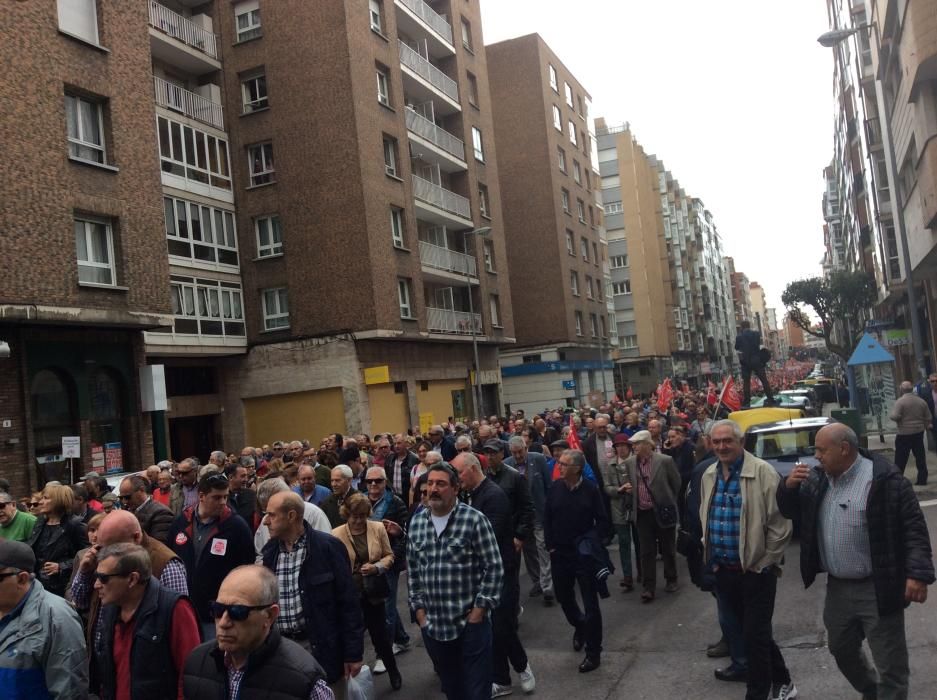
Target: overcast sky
x=735 y=96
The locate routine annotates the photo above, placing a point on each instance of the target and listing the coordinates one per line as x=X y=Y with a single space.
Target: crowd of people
x=263 y=569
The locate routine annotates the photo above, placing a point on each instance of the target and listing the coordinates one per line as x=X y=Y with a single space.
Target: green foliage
x=844 y=297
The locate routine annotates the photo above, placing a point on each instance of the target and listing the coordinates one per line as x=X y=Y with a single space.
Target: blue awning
x=869 y=352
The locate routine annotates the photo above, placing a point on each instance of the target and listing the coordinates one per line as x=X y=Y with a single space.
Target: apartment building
x=793 y=333
x=554 y=230
x=759 y=305
x=741 y=302
x=82 y=222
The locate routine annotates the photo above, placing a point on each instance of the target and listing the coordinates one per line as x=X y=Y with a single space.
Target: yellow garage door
x=389 y=412
x=305 y=415
x=437 y=398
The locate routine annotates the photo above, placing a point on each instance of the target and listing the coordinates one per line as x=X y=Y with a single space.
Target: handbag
x=666 y=515
x=376 y=588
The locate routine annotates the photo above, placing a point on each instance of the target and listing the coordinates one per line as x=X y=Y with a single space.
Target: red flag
x=730 y=395
x=711 y=395
x=573 y=438
x=664 y=395
x=629 y=394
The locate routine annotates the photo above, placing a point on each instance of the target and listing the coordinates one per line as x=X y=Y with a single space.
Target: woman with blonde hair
x=371 y=557
x=57 y=537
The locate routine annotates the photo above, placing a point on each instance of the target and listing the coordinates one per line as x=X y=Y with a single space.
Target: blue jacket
x=319 y=495
x=331 y=601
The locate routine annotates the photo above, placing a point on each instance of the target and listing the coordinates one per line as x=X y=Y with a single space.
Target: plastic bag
x=361 y=687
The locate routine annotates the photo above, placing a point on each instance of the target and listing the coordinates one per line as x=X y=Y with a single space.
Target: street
x=657 y=651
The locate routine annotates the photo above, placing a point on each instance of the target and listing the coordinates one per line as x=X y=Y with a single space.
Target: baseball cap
x=560 y=443
x=493 y=445
x=17 y=555
x=641 y=436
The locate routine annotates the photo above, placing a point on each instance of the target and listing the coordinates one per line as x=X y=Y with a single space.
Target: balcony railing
x=421 y=126
x=434 y=20
x=188 y=103
x=448 y=260
x=186 y=31
x=426 y=70
x=426 y=191
x=457 y=322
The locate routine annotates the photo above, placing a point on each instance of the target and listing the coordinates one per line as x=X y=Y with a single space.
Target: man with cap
x=622 y=504
x=44 y=653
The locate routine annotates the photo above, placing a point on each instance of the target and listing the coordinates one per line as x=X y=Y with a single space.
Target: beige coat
x=665 y=481
x=379 y=551
x=764 y=532
x=615 y=475
x=911 y=414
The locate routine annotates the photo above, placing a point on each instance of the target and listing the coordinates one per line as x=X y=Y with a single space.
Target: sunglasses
x=104 y=578
x=125 y=498
x=374 y=481
x=236 y=612
x=33 y=504
x=7 y=574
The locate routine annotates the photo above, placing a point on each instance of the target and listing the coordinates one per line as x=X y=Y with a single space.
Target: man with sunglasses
x=44 y=653
x=147 y=631
x=14 y=524
x=249 y=658
x=212 y=540
x=184 y=493
x=155 y=518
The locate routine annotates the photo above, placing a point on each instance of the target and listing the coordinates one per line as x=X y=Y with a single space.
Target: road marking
x=924 y=504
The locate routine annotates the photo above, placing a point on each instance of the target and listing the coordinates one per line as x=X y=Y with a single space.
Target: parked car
x=784 y=443
x=755 y=416
x=784 y=400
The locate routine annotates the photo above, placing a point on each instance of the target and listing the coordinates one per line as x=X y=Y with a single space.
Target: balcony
x=442 y=148
x=447 y=260
x=454 y=322
x=188 y=103
x=183 y=42
x=426 y=82
x=416 y=18
x=440 y=206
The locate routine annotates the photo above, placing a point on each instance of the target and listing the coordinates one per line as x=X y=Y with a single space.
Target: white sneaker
x=786 y=691
x=498 y=691
x=378 y=667
x=528 y=682
x=401 y=648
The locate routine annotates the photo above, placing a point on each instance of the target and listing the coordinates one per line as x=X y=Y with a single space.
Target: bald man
x=912 y=416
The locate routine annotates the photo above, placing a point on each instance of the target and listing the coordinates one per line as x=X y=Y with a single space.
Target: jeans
x=731 y=628
x=464 y=663
x=851 y=615
x=537 y=561
x=750 y=597
x=650 y=534
x=905 y=444
x=566 y=574
x=507 y=650
x=623 y=532
x=396 y=632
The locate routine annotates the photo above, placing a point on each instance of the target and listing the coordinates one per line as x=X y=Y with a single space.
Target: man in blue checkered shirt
x=744 y=538
x=456 y=576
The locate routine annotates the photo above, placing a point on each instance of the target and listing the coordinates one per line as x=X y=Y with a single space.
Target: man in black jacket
x=748 y=344
x=515 y=488
x=249 y=659
x=243 y=500
x=861 y=522
x=484 y=495
x=398 y=466
x=155 y=518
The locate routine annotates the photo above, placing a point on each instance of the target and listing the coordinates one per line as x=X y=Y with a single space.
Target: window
x=94 y=244
x=569 y=94
x=594 y=325
x=604 y=330
x=578 y=315
x=614 y=208
x=598 y=289
x=197 y=157
x=488 y=250
x=619 y=261
x=390 y=156
x=466 y=34
x=588 y=180
x=581 y=206
x=477 y=144
x=628 y=342
x=589 y=286
x=396 y=227
x=585 y=142
x=584 y=249
x=621 y=288
x=79 y=18
x=383 y=86
x=561 y=159
x=891 y=253
x=206 y=307
x=473 y=89
x=574 y=282
x=260 y=161
x=276 y=309
x=579 y=104
x=483 y=206
x=553 y=81
x=403 y=298
x=572 y=133
x=269 y=236
x=570 y=246
x=557 y=119
x=247 y=20
x=85 y=120
x=254 y=93
x=374 y=7
x=200 y=233
x=494 y=304
x=564 y=197
x=577 y=172
x=595 y=253
x=591 y=216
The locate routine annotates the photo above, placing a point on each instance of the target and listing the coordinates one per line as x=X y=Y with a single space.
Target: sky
x=734 y=96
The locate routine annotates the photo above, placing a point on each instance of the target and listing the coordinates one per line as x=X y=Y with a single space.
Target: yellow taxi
x=748 y=417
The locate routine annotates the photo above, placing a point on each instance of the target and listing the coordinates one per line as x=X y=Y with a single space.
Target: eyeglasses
x=104 y=578
x=236 y=612
x=183 y=472
x=7 y=574
x=464 y=449
x=374 y=481
x=126 y=498
x=33 y=504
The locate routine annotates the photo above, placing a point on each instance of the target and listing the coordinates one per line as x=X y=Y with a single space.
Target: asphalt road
x=657 y=651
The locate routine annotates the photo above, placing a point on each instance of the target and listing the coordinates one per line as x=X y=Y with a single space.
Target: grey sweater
x=911 y=414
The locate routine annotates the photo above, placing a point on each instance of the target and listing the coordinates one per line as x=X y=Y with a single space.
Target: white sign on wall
x=71 y=447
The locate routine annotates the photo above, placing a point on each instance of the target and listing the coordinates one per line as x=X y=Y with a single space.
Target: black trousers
x=747 y=383
x=375 y=620
x=750 y=597
x=566 y=574
x=651 y=536
x=905 y=444
x=506 y=647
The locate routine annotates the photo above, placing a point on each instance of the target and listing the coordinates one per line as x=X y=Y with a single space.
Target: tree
x=843 y=297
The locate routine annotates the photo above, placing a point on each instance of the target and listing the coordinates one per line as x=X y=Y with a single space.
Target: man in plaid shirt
x=456 y=576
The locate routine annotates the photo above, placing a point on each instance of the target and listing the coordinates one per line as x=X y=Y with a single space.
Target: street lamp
x=476 y=386
x=832 y=39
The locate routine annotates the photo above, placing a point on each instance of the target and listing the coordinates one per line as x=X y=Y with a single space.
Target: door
x=193 y=436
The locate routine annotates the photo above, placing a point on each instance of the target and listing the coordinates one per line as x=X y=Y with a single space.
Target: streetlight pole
x=476 y=383
x=830 y=40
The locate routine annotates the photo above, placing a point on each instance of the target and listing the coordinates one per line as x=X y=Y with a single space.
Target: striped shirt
x=645 y=501
x=725 y=516
x=845 y=551
x=290 y=619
